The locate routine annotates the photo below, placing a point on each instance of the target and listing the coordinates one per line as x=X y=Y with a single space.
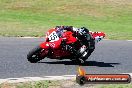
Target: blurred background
x=34 y=17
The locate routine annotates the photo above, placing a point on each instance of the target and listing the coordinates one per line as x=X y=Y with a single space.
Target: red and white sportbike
x=52 y=47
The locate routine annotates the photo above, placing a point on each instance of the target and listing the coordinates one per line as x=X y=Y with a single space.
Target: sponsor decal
x=83 y=78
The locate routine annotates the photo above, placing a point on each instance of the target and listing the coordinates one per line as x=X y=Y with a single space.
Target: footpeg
x=81 y=60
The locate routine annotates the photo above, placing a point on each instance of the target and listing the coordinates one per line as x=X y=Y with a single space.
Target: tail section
x=98 y=36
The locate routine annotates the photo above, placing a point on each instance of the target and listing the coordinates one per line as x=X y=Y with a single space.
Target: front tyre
x=34 y=55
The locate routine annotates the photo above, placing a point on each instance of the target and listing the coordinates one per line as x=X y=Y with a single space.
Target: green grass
x=35 y=17
x=114 y=86
x=61 y=84
x=37 y=84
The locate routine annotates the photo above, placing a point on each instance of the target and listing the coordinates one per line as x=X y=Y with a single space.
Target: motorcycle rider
x=81 y=34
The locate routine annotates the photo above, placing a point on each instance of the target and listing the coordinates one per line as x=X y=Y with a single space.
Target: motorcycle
x=53 y=47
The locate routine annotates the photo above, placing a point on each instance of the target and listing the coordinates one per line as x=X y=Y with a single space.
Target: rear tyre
x=89 y=53
x=34 y=55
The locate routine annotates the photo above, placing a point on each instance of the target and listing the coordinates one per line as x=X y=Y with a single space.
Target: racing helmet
x=84 y=30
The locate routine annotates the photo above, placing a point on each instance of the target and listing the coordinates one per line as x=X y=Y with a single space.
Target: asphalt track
x=110 y=56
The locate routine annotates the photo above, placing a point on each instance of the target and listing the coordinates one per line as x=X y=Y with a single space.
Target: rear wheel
x=82 y=59
x=34 y=55
x=89 y=53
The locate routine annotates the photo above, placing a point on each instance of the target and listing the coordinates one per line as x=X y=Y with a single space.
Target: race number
x=53 y=37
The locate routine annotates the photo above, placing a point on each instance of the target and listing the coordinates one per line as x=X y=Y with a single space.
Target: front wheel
x=34 y=55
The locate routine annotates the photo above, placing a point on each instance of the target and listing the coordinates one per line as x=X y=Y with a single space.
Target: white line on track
x=129 y=40
x=29 y=37
x=27 y=79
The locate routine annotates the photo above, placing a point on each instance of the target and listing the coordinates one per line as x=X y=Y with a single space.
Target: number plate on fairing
x=53 y=37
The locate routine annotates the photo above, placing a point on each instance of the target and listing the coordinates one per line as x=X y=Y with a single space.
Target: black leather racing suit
x=83 y=36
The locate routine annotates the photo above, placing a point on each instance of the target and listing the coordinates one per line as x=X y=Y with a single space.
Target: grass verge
x=115 y=86
x=35 y=17
x=38 y=84
x=61 y=84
